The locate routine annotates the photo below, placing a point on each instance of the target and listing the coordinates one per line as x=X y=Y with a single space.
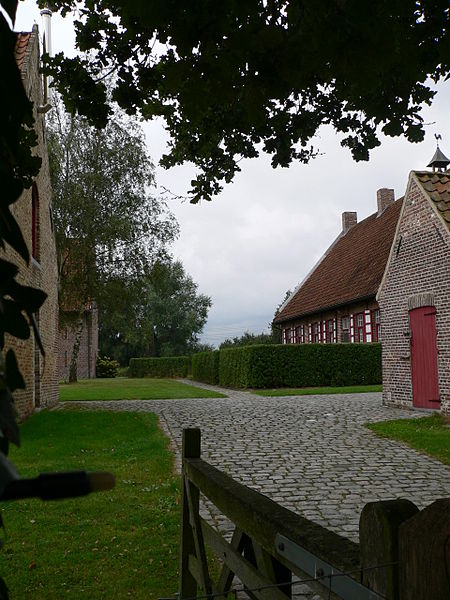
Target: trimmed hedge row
x=289 y=365
x=170 y=366
x=205 y=367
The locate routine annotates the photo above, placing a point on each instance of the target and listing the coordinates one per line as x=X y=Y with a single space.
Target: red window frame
x=375 y=325
x=346 y=331
x=316 y=331
x=293 y=335
x=329 y=328
x=360 y=329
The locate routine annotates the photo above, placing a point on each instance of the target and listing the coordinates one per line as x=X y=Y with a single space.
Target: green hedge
x=205 y=367
x=170 y=366
x=291 y=365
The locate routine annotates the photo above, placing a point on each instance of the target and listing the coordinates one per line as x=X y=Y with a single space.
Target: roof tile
x=21 y=48
x=438 y=189
x=352 y=270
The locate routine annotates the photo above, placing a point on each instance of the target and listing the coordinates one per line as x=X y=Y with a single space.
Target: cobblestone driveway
x=309 y=453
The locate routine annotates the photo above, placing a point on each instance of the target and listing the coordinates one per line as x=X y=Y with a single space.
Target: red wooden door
x=424 y=357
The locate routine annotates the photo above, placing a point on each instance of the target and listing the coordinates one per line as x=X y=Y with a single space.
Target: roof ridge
x=351 y=268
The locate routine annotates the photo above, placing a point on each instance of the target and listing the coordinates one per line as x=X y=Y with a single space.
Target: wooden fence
x=271 y=544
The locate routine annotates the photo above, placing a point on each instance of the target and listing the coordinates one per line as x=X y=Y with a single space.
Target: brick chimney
x=349 y=219
x=385 y=197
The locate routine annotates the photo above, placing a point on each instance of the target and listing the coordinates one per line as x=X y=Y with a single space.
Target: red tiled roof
x=437 y=187
x=21 y=48
x=351 y=271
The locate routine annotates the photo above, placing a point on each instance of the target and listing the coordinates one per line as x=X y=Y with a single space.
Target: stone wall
x=419 y=264
x=87 y=356
x=40 y=373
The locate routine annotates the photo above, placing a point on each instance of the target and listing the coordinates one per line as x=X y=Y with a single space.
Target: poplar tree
x=107 y=223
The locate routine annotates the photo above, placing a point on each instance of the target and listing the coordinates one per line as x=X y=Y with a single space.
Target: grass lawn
x=349 y=389
x=117 y=544
x=430 y=435
x=132 y=389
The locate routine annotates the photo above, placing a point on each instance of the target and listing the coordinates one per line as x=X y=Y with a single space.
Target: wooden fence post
x=424 y=552
x=378 y=539
x=191 y=449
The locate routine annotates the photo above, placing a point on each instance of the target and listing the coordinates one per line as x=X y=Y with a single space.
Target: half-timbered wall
x=355 y=323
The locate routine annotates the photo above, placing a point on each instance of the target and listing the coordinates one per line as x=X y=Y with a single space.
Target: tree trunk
x=76 y=349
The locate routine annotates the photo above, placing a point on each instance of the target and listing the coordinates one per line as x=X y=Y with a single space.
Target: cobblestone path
x=309 y=453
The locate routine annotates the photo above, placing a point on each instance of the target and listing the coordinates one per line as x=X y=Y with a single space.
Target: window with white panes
x=300 y=334
x=359 y=328
x=316 y=332
x=376 y=325
x=345 y=329
x=329 y=331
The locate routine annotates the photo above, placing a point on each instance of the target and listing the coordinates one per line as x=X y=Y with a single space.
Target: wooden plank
x=262 y=518
x=192 y=494
x=378 y=540
x=227 y=575
x=424 y=553
x=195 y=568
x=272 y=569
x=187 y=583
x=191 y=447
x=244 y=570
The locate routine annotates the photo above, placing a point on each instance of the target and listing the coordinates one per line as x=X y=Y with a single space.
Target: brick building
x=87 y=355
x=33 y=212
x=414 y=298
x=336 y=302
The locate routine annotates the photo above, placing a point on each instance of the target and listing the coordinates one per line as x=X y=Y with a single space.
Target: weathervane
x=439 y=161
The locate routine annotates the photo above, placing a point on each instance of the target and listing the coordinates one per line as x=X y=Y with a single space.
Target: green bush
x=106 y=367
x=305 y=365
x=205 y=367
x=167 y=366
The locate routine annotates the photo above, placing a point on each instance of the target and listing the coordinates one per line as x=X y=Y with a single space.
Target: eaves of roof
x=323 y=309
x=350 y=270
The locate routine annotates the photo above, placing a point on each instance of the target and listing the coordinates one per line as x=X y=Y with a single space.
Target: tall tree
x=231 y=77
x=107 y=225
x=160 y=314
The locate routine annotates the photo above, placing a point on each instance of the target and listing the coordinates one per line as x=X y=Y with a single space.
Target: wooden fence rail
x=270 y=543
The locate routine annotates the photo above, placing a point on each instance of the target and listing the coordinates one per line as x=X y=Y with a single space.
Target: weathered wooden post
x=190 y=449
x=424 y=554
x=379 y=549
x=193 y=564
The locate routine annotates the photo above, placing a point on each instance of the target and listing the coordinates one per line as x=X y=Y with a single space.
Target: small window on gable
x=35 y=225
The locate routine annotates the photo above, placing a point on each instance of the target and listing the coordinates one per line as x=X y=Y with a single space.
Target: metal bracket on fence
x=330 y=577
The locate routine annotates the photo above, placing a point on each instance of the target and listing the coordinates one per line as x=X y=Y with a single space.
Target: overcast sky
x=266 y=230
